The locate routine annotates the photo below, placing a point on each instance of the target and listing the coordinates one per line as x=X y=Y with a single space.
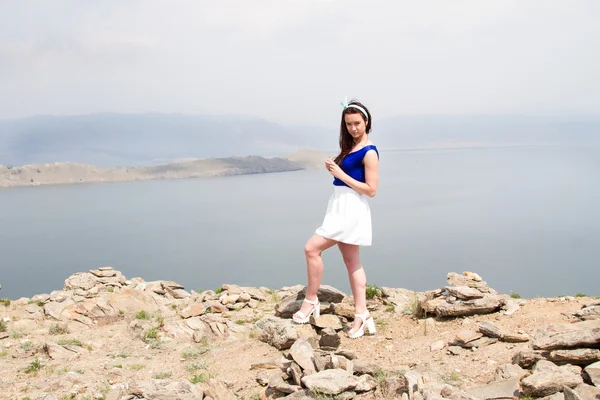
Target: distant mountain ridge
x=146 y=139
x=111 y=139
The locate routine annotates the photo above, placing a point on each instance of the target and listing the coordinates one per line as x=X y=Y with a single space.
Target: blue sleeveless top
x=352 y=164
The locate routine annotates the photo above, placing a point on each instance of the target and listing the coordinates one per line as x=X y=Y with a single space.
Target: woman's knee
x=310 y=250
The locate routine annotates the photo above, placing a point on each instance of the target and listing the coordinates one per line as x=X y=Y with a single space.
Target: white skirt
x=348 y=217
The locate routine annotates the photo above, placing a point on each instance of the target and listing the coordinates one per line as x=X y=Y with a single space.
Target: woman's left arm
x=369 y=187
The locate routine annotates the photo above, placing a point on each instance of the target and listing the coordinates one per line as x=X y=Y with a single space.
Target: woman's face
x=355 y=124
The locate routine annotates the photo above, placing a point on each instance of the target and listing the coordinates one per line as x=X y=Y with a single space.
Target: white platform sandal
x=367 y=322
x=300 y=318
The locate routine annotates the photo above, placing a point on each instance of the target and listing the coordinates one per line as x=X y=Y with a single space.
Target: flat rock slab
x=485 y=305
x=588 y=313
x=464 y=292
x=576 y=356
x=507 y=389
x=103 y=273
x=547 y=379
x=328 y=321
x=330 y=381
x=565 y=336
x=489 y=329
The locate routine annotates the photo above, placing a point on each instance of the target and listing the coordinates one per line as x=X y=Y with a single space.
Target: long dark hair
x=346 y=139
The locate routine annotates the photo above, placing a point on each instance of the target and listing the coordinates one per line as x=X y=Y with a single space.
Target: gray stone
x=485 y=305
x=287 y=307
x=178 y=293
x=446 y=390
x=547 y=379
x=302 y=394
x=576 y=356
x=467 y=335
x=514 y=337
x=527 y=358
x=343 y=310
x=340 y=362
x=507 y=389
x=54 y=310
x=414 y=380
x=302 y=352
x=511 y=307
x=296 y=373
x=593 y=371
x=218 y=391
x=588 y=313
x=245 y=297
x=328 y=321
x=326 y=294
x=489 y=329
x=464 y=292
x=263 y=376
x=178 y=330
x=570 y=394
x=366 y=383
x=103 y=273
x=33 y=308
x=455 y=279
x=80 y=280
x=280 y=363
x=329 y=339
x=277 y=332
x=193 y=310
x=171 y=285
x=364 y=367
x=276 y=382
x=322 y=362
x=510 y=371
x=587 y=391
x=565 y=335
x=331 y=381
x=394 y=387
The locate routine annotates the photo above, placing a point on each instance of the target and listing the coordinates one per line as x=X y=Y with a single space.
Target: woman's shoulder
x=371 y=146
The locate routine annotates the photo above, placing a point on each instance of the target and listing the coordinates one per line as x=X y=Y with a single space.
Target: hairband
x=359 y=108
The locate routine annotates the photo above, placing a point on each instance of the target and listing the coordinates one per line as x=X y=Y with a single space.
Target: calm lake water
x=527 y=219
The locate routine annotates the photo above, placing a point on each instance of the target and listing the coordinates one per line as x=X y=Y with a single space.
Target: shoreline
x=74 y=173
x=64 y=172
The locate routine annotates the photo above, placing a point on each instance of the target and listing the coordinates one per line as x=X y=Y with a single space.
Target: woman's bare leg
x=314 y=267
x=358 y=279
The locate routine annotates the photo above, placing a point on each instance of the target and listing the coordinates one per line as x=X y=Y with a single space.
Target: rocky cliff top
x=106 y=336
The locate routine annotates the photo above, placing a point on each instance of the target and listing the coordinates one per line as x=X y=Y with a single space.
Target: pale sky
x=292 y=61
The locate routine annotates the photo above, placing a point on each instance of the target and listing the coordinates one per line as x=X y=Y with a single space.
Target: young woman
x=347 y=221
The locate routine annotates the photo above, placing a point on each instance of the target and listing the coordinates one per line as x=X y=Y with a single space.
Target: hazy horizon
x=292 y=62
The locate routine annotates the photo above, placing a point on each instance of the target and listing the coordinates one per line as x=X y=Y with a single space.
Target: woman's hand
x=333 y=168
